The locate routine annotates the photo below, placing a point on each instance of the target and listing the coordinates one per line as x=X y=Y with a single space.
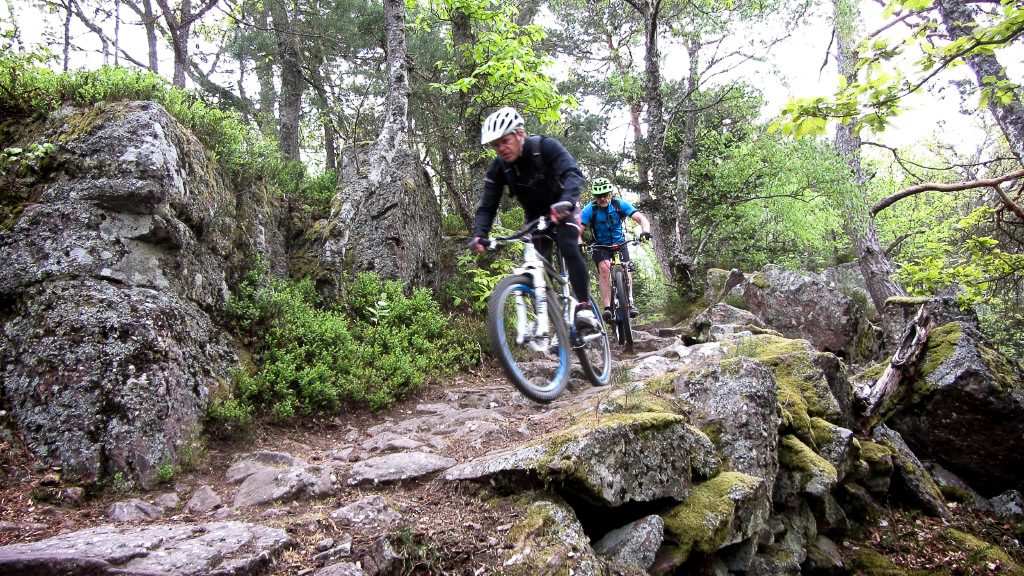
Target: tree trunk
x=179 y=28
x=149 y=22
x=464 y=194
x=292 y=82
x=388 y=220
x=858 y=224
x=67 y=36
x=144 y=10
x=957 y=17
x=395 y=129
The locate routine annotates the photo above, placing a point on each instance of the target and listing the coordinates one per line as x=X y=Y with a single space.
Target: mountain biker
x=605 y=216
x=546 y=180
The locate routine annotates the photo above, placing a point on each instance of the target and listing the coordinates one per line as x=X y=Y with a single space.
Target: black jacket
x=545 y=173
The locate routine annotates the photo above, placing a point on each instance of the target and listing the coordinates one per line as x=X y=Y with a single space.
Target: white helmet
x=502 y=122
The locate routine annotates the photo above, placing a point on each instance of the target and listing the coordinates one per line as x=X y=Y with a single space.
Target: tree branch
x=957 y=187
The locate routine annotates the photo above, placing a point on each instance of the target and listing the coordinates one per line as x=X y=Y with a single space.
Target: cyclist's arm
x=494 y=186
x=645 y=224
x=565 y=169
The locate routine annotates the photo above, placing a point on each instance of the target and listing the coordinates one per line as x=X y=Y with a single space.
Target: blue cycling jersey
x=607 y=222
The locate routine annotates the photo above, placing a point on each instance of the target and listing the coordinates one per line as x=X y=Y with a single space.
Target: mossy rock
x=983 y=553
x=644 y=399
x=708 y=519
x=803 y=391
x=808 y=471
x=869 y=562
x=549 y=540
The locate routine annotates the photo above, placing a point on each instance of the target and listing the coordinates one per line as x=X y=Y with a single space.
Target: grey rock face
x=108 y=280
x=634 y=544
x=400 y=466
x=223 y=548
x=966 y=395
x=741 y=404
x=370 y=510
x=617 y=459
x=807 y=307
x=273 y=476
x=133 y=511
x=1009 y=503
x=912 y=476
x=203 y=499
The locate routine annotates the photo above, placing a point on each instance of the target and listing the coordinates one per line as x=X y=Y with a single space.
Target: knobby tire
x=541 y=376
x=623 y=324
x=595 y=355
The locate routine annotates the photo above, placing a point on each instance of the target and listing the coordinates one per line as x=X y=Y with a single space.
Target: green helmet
x=600 y=187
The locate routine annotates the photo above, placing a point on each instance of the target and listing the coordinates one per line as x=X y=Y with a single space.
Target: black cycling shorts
x=601 y=254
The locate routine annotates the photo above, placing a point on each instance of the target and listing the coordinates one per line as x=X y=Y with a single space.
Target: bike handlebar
x=589 y=248
x=541 y=223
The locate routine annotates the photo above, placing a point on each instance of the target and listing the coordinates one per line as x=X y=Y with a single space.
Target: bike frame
x=543 y=274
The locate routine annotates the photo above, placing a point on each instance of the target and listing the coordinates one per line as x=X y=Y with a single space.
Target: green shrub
x=376 y=346
x=28 y=88
x=318 y=190
x=452 y=225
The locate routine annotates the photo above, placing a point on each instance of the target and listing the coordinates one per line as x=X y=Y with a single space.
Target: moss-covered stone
x=81 y=123
x=983 y=552
x=812 y=473
x=548 y=541
x=802 y=389
x=941 y=346
x=760 y=280
x=704 y=522
x=868 y=562
x=642 y=400
x=877 y=455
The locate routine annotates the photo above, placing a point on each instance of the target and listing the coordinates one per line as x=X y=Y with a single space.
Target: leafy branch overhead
x=503 y=63
x=892 y=66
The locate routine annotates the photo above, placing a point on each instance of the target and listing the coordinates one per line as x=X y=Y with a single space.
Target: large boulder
x=808 y=307
x=899 y=313
x=964 y=410
x=737 y=404
x=384 y=219
x=610 y=460
x=109 y=280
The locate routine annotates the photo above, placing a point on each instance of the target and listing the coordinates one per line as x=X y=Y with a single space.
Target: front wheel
x=594 y=353
x=620 y=309
x=538 y=364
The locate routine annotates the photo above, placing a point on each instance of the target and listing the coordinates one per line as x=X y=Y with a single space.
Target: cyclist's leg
x=567 y=236
x=624 y=251
x=602 y=259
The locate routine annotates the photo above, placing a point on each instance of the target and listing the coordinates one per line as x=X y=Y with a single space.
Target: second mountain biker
x=605 y=216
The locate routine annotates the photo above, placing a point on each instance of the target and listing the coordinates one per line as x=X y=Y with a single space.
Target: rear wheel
x=623 y=326
x=595 y=353
x=538 y=365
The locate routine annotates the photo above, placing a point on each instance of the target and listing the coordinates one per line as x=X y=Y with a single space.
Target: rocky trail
x=297 y=499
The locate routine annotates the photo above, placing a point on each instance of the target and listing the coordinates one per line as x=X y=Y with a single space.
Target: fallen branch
x=901 y=367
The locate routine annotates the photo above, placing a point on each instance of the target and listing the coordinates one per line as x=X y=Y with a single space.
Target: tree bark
x=956 y=17
x=144 y=10
x=395 y=129
x=179 y=28
x=293 y=84
x=874 y=263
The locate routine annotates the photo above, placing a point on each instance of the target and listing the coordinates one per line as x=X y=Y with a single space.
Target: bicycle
x=621 y=289
x=531 y=343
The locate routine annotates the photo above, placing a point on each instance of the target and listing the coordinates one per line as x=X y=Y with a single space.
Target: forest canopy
x=673 y=101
